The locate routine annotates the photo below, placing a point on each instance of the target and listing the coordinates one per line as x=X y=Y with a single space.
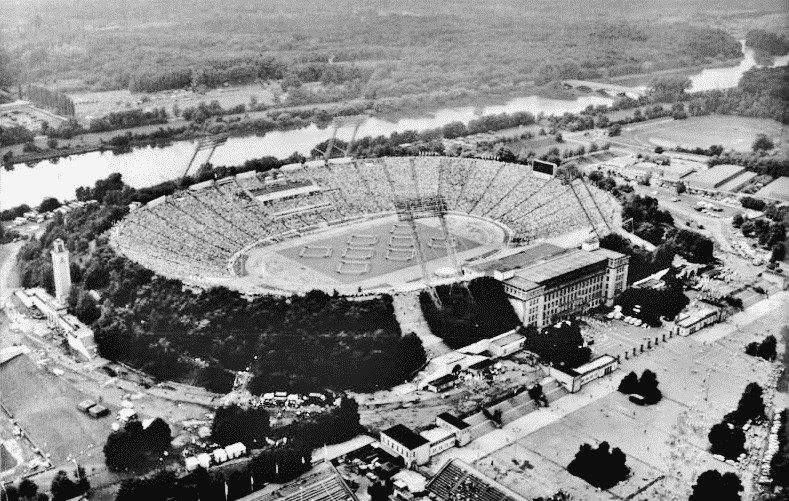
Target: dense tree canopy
x=712 y=485
x=469 y=313
x=602 y=466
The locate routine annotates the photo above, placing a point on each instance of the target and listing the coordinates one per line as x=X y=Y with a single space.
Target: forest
x=300 y=343
x=369 y=50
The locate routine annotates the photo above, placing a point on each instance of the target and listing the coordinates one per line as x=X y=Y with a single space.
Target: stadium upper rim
x=202 y=234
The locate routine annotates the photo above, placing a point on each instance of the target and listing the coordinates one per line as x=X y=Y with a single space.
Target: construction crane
x=354 y=121
x=205 y=144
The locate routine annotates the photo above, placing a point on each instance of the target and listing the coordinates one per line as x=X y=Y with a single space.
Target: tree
x=762 y=143
x=727 y=441
x=380 y=491
x=9 y=493
x=681 y=188
x=767 y=348
x=27 y=489
x=779 y=252
x=64 y=488
x=537 y=395
x=737 y=220
x=49 y=204
x=629 y=384
x=158 y=435
x=712 y=485
x=752 y=349
x=234 y=423
x=750 y=406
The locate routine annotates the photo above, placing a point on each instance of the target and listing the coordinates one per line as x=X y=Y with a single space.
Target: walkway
x=409 y=314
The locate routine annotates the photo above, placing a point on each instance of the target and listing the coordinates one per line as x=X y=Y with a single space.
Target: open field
x=702 y=378
x=97 y=104
x=46 y=407
x=731 y=132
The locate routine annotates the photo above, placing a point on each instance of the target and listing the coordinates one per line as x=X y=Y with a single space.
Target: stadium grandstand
x=203 y=234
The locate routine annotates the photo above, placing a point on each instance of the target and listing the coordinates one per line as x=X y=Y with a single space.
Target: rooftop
x=521 y=259
x=443 y=380
x=595 y=364
x=404 y=436
x=457 y=481
x=714 y=176
x=322 y=483
x=778 y=189
x=436 y=434
x=561 y=265
x=453 y=420
x=506 y=339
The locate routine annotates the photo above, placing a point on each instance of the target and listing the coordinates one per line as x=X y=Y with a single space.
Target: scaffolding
x=423 y=207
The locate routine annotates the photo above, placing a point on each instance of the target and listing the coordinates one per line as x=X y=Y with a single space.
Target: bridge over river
x=612 y=89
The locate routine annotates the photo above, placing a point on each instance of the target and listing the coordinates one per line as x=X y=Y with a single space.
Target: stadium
x=357 y=226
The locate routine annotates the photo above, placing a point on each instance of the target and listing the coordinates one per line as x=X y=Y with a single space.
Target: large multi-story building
x=61 y=270
x=546 y=282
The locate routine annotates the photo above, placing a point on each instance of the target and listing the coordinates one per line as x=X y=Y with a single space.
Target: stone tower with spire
x=61 y=270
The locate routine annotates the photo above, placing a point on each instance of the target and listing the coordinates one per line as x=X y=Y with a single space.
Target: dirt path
x=409 y=314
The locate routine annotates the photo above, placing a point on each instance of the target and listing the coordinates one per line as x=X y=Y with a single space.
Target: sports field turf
x=731 y=132
x=377 y=241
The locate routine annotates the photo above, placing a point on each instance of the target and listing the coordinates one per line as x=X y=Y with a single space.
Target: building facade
x=61 y=270
x=546 y=282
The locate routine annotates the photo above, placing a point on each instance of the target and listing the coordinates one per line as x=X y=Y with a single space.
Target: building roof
x=506 y=339
x=435 y=434
x=322 y=483
x=738 y=181
x=520 y=259
x=482 y=365
x=595 y=364
x=453 y=420
x=714 y=177
x=778 y=189
x=448 y=378
x=561 y=265
x=405 y=437
x=457 y=481
x=521 y=283
x=696 y=316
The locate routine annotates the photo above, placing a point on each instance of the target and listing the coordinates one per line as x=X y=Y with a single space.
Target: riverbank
x=643 y=79
x=254 y=123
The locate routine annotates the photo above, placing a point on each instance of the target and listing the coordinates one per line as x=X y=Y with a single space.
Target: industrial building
x=720 y=178
x=777 y=190
x=545 y=282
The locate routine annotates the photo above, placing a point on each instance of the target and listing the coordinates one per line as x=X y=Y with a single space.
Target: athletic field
x=731 y=132
x=368 y=254
x=375 y=251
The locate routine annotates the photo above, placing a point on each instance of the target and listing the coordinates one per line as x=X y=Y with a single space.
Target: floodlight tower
x=205 y=144
x=337 y=122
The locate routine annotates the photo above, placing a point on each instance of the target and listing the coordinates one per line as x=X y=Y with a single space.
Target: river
x=150 y=165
